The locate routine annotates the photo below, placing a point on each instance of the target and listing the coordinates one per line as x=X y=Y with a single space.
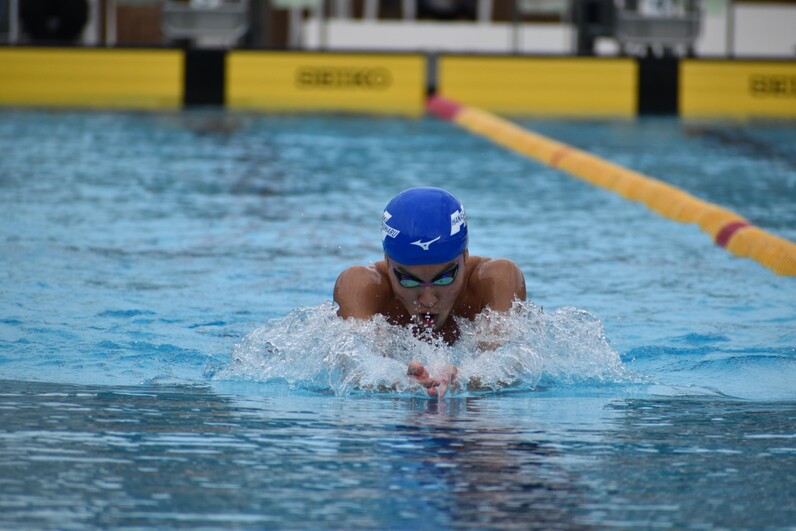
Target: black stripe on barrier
x=204 y=77
x=658 y=86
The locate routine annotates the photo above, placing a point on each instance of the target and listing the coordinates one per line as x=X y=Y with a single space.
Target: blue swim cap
x=424 y=226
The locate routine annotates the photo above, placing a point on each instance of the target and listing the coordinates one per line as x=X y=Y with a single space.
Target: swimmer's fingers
x=451 y=373
x=419 y=373
x=434 y=386
x=415 y=368
x=447 y=381
x=441 y=389
x=438 y=389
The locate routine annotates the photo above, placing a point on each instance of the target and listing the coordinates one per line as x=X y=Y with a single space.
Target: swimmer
x=427 y=276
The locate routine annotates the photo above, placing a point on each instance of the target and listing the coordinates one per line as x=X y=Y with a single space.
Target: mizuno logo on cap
x=424 y=245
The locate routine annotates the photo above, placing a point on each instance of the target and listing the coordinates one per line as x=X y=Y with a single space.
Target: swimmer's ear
x=465 y=255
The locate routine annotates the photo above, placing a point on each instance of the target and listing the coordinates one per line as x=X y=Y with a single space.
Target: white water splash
x=313 y=349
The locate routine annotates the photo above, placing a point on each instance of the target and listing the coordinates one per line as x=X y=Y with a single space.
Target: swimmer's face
x=428 y=292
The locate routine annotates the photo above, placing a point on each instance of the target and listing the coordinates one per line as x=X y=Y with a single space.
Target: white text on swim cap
x=458 y=219
x=386 y=230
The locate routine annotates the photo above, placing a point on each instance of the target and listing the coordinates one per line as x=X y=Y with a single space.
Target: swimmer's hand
x=434 y=386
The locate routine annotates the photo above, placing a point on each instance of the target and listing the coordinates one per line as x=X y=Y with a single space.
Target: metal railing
x=219 y=23
x=631 y=27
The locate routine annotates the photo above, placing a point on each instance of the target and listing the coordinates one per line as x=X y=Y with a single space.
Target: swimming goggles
x=443 y=279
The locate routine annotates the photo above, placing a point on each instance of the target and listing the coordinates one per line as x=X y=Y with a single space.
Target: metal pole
x=371 y=10
x=294 y=28
x=323 y=28
x=97 y=7
x=515 y=30
x=110 y=23
x=13 y=21
x=254 y=38
x=730 y=29
x=409 y=9
x=484 y=11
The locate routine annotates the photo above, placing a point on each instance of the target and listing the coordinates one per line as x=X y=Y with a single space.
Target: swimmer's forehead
x=440 y=267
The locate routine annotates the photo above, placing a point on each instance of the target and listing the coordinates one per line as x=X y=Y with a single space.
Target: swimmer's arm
x=359 y=292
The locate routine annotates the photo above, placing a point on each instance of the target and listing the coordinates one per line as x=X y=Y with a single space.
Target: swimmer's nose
x=427 y=299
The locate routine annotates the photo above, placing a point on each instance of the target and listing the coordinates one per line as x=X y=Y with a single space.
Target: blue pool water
x=169 y=356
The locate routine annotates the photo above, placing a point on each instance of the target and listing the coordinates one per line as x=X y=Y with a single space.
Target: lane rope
x=726 y=228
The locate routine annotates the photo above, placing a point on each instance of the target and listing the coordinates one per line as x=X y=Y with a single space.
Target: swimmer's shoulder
x=362 y=291
x=484 y=267
x=496 y=281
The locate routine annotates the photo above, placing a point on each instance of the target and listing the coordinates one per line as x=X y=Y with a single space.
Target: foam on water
x=313 y=349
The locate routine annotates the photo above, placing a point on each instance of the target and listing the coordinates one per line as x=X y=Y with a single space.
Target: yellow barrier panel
x=554 y=86
x=725 y=227
x=291 y=81
x=129 y=79
x=737 y=89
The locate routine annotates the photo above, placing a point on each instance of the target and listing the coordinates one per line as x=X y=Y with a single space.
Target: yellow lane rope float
x=726 y=228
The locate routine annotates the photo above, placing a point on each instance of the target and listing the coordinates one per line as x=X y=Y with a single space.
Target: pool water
x=169 y=355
